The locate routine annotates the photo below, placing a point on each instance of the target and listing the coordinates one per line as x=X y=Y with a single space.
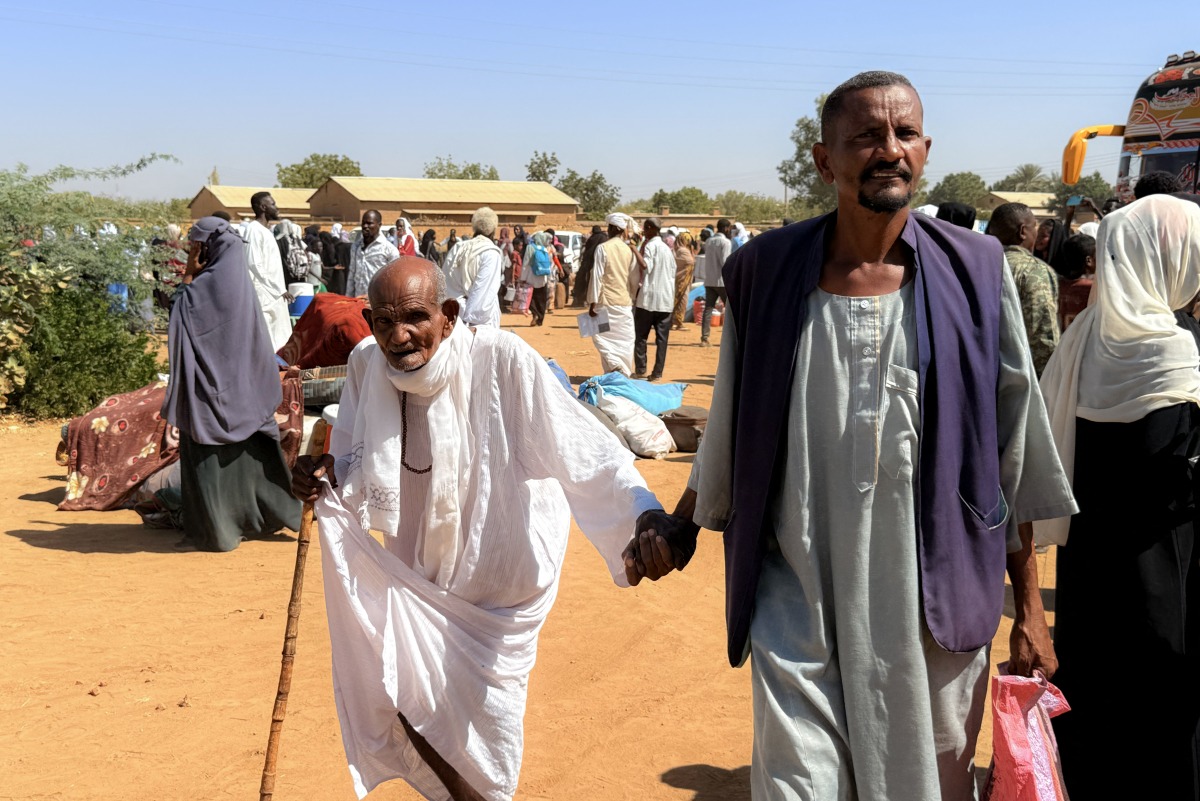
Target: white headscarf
x=407 y=233
x=1090 y=229
x=619 y=220
x=372 y=484
x=1124 y=356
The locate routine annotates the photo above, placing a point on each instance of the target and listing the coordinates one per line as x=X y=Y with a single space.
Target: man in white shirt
x=369 y=254
x=266 y=268
x=474 y=269
x=716 y=252
x=655 y=301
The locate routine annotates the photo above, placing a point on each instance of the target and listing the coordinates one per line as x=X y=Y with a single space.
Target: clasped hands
x=661 y=543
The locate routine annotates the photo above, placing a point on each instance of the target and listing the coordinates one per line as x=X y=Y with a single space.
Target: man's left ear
x=450 y=311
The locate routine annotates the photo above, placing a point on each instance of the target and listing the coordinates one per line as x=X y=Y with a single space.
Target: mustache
x=896 y=167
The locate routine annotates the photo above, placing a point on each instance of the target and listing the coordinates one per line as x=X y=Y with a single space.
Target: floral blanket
x=123 y=441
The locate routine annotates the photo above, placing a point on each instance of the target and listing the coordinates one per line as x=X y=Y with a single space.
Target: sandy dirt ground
x=132 y=671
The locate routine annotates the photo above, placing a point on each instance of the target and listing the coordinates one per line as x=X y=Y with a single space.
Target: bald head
x=408 y=275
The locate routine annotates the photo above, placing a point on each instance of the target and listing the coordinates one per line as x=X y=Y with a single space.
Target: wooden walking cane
x=266 y=790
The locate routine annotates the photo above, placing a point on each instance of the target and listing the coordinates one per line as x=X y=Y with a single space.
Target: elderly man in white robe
x=615 y=277
x=434 y=633
x=474 y=269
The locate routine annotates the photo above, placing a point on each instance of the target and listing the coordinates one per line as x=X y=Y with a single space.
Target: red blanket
x=326 y=332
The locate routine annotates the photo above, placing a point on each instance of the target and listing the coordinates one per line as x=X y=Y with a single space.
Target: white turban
x=619 y=220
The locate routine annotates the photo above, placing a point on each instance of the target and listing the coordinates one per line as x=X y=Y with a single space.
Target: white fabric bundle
x=1124 y=356
x=646 y=434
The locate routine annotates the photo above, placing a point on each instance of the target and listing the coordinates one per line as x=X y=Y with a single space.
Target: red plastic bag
x=1025 y=762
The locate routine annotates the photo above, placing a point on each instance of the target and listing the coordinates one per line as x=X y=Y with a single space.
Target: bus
x=1162 y=132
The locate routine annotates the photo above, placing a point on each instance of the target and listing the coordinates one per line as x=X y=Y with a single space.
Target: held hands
x=661 y=543
x=307 y=475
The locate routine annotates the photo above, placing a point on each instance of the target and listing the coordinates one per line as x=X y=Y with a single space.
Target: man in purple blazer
x=876 y=449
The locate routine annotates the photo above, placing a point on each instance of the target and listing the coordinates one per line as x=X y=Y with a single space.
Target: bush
x=78 y=353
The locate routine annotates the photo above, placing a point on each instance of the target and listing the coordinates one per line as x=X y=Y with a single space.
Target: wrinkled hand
x=307 y=475
x=661 y=543
x=592 y=310
x=1030 y=648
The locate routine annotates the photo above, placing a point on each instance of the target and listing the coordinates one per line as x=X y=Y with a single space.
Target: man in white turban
x=616 y=274
x=434 y=633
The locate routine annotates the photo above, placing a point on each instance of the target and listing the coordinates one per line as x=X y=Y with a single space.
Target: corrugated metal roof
x=437 y=190
x=239 y=196
x=468 y=212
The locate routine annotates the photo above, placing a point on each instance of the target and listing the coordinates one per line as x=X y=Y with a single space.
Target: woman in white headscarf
x=1123 y=392
x=406 y=240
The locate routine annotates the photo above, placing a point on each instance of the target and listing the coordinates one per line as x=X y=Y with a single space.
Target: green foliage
x=1093 y=186
x=799 y=173
x=51 y=242
x=315 y=170
x=594 y=194
x=473 y=171
x=959 y=187
x=542 y=167
x=686 y=200
x=749 y=208
x=639 y=206
x=78 y=353
x=1025 y=178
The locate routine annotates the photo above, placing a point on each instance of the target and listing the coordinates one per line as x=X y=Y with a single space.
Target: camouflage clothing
x=1037 y=285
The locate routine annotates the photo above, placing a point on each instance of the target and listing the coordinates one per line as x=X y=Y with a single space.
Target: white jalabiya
x=372 y=472
x=473 y=274
x=266 y=273
x=455 y=657
x=1124 y=355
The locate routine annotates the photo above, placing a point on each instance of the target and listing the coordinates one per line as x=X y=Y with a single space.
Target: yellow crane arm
x=1076 y=149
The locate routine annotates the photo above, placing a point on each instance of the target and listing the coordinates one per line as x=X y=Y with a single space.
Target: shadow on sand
x=54 y=496
x=99 y=537
x=711 y=783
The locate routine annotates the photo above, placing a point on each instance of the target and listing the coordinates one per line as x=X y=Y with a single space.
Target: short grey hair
x=440 y=282
x=484 y=221
x=873 y=79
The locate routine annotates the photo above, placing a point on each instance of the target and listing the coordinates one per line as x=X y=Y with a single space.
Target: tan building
x=235 y=201
x=1038 y=202
x=443 y=203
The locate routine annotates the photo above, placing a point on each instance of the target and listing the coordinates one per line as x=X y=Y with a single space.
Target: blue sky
x=651 y=94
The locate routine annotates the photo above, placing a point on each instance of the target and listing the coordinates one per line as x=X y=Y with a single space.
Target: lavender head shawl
x=224 y=380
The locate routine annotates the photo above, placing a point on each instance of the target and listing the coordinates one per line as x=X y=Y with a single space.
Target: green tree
x=1093 y=186
x=639 y=206
x=471 y=171
x=542 y=167
x=959 y=187
x=315 y=170
x=686 y=200
x=799 y=173
x=1025 y=178
x=594 y=194
x=53 y=243
x=749 y=207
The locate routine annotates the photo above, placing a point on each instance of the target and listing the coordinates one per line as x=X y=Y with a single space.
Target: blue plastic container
x=297 y=306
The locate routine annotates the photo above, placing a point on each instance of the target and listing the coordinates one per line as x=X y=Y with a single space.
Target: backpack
x=295 y=264
x=541 y=264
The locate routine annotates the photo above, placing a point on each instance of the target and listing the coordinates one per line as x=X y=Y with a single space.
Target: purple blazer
x=961 y=511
